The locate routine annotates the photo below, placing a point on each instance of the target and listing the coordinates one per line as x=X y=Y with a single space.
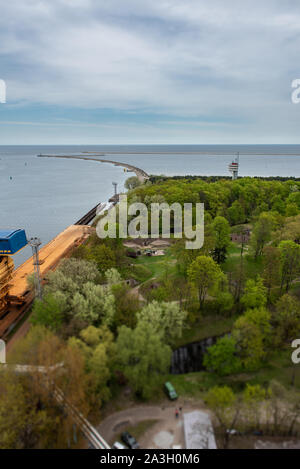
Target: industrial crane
x=12 y=242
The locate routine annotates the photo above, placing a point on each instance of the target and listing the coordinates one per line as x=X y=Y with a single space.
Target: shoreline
x=140 y=173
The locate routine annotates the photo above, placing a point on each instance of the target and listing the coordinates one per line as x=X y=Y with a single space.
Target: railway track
x=88 y=430
x=91 y=215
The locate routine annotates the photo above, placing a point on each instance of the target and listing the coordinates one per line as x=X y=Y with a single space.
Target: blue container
x=12 y=241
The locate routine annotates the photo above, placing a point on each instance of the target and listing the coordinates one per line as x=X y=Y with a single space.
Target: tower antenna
x=234 y=167
x=35 y=244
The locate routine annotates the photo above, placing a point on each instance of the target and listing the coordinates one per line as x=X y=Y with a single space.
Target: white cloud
x=231 y=59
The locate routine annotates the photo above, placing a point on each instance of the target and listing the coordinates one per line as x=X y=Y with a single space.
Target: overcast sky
x=149 y=71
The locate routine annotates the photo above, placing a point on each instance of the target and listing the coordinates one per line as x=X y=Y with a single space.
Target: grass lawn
x=195 y=384
x=158 y=265
x=209 y=326
x=279 y=368
x=235 y=249
x=253 y=267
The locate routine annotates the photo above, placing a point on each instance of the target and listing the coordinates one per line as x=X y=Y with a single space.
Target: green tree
x=96 y=346
x=289 y=263
x=236 y=213
x=261 y=318
x=222 y=357
x=294 y=198
x=249 y=342
x=290 y=230
x=287 y=318
x=132 y=183
x=205 y=275
x=221 y=230
x=48 y=312
x=166 y=318
x=255 y=294
x=291 y=210
x=113 y=277
x=103 y=256
x=42 y=423
x=183 y=256
x=70 y=275
x=225 y=302
x=126 y=304
x=20 y=422
x=81 y=299
x=271 y=263
x=99 y=368
x=142 y=357
x=94 y=304
x=223 y=402
x=261 y=234
x=94 y=336
x=253 y=397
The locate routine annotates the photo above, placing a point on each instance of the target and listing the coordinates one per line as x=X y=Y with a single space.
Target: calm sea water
x=44 y=196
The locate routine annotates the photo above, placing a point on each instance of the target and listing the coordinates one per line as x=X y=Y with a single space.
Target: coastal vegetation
x=119 y=315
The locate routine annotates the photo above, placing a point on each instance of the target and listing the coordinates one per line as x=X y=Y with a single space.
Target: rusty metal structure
x=11 y=242
x=6 y=270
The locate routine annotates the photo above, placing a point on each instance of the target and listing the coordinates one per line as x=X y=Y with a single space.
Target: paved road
x=113 y=425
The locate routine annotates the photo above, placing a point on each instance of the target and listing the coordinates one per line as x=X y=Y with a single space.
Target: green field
x=158 y=266
x=279 y=368
x=210 y=326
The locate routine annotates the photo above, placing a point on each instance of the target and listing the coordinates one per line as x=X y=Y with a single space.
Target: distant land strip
x=140 y=173
x=176 y=152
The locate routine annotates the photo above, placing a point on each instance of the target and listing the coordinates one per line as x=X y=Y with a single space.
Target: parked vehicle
x=118 y=445
x=129 y=440
x=171 y=393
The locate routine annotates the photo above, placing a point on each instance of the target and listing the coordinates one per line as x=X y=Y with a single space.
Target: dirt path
x=135 y=291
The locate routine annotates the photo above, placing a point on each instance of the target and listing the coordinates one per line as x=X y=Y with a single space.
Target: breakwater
x=140 y=173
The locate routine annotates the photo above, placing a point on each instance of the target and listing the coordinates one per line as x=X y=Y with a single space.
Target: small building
x=133 y=254
x=242 y=237
x=198 y=430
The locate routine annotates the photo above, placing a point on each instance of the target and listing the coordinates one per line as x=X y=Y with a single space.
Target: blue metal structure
x=12 y=241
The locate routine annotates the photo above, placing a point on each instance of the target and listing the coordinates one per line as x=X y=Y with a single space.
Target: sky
x=149 y=71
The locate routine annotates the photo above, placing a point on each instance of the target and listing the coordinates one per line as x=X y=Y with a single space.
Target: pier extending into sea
x=140 y=173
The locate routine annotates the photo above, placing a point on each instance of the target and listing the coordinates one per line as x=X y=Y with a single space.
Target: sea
x=46 y=195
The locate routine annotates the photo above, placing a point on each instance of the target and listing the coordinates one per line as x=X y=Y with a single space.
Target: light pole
x=115 y=184
x=35 y=243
